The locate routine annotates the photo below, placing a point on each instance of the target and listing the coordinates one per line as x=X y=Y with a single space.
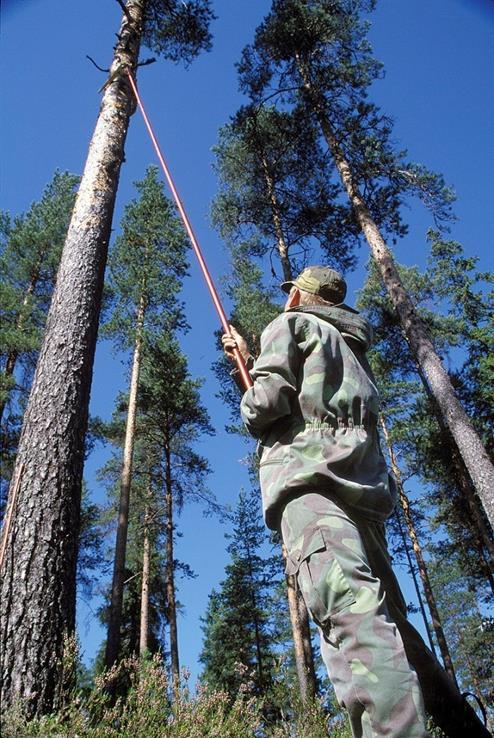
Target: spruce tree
x=238 y=650
x=42 y=546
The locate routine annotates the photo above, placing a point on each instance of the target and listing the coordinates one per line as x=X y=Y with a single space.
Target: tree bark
x=38 y=585
x=275 y=212
x=115 y=613
x=170 y=572
x=304 y=658
x=477 y=462
x=422 y=567
x=146 y=558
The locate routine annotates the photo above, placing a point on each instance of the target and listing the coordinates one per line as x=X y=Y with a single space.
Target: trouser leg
x=360 y=645
x=441 y=696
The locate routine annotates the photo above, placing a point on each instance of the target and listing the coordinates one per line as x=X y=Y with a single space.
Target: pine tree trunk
x=429 y=595
x=116 y=603
x=469 y=445
x=275 y=212
x=146 y=558
x=170 y=572
x=38 y=584
x=304 y=659
x=481 y=532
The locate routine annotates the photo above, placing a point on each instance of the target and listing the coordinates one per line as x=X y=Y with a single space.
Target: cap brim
x=286 y=286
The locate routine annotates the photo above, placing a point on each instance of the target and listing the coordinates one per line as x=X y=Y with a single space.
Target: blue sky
x=438 y=88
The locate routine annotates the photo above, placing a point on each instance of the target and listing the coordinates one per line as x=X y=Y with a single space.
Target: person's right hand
x=232 y=341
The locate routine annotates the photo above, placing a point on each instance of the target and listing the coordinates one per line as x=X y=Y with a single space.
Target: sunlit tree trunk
x=38 y=577
x=275 y=212
x=146 y=559
x=170 y=571
x=299 y=619
x=115 y=613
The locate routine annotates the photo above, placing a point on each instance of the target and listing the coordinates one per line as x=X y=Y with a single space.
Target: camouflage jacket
x=314 y=408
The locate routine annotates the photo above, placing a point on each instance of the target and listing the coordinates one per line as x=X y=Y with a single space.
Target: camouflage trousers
x=371 y=651
x=360 y=644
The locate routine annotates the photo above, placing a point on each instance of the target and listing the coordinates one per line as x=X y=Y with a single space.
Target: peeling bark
x=38 y=577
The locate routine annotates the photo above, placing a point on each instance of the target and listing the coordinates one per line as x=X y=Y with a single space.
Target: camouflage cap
x=320 y=280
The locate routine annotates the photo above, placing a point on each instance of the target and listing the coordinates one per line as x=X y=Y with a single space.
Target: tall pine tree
x=42 y=547
x=146 y=267
x=238 y=625
x=313 y=55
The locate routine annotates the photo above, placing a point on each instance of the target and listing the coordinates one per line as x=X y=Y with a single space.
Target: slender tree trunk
x=429 y=595
x=411 y=568
x=146 y=557
x=469 y=445
x=38 y=583
x=115 y=615
x=304 y=659
x=275 y=212
x=170 y=572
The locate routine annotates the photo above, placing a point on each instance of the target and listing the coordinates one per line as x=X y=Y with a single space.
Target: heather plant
x=146 y=710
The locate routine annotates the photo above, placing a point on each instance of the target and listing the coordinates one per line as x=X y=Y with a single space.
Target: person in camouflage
x=314 y=409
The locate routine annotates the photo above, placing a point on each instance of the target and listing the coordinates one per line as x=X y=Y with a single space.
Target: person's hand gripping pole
x=236 y=353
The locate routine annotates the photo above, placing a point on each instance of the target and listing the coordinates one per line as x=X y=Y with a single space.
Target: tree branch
x=96 y=65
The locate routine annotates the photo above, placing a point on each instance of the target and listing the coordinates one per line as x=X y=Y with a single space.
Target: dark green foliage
x=91 y=555
x=239 y=640
x=276 y=186
x=176 y=30
x=470 y=631
x=31 y=245
x=326 y=40
x=146 y=267
x=172 y=413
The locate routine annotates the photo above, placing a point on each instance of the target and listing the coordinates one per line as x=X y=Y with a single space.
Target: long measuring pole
x=246 y=379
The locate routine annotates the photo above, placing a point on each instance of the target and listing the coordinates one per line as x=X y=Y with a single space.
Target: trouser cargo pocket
x=321 y=579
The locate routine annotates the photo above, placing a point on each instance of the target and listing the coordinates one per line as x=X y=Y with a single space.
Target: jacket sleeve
x=274 y=375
